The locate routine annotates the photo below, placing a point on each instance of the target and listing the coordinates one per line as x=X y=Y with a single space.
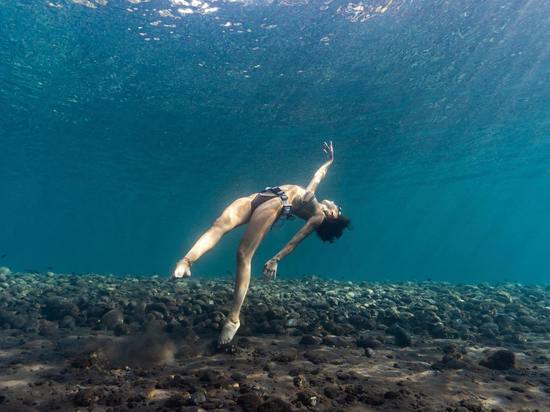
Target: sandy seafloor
x=91 y=342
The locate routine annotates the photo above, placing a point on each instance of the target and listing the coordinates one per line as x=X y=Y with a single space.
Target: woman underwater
x=260 y=211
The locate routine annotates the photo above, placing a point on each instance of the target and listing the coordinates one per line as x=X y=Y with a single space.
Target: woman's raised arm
x=322 y=172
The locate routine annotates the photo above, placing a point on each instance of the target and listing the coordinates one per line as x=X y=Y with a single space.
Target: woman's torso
x=303 y=202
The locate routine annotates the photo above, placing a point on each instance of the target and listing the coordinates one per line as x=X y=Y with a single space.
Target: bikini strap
x=287 y=207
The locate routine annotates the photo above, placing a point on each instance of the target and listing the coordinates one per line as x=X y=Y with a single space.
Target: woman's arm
x=322 y=172
x=270 y=268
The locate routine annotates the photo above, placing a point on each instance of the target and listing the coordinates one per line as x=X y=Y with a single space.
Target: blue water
x=126 y=127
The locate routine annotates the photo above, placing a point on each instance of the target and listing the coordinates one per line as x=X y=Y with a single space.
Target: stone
x=249 y=402
x=177 y=401
x=198 y=397
x=308 y=398
x=157 y=307
x=489 y=329
x=112 y=319
x=47 y=328
x=239 y=376
x=84 y=397
x=332 y=392
x=275 y=405
x=68 y=322
x=401 y=336
x=208 y=375
x=286 y=356
x=309 y=340
x=502 y=359
x=369 y=352
x=57 y=309
x=368 y=342
x=316 y=356
x=391 y=395
x=335 y=341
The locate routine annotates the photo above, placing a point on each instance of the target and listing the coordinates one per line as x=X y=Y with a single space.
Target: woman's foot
x=183 y=269
x=228 y=332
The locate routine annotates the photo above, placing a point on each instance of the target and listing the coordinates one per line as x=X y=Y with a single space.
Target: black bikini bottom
x=268 y=194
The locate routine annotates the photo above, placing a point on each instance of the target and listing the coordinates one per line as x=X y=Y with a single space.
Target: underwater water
x=127 y=126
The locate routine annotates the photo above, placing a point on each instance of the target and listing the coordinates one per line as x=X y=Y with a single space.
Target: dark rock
x=275 y=405
x=138 y=308
x=316 y=356
x=502 y=359
x=373 y=399
x=401 y=336
x=286 y=356
x=269 y=366
x=369 y=352
x=83 y=361
x=212 y=404
x=489 y=329
x=472 y=405
x=122 y=329
x=178 y=401
x=344 y=376
x=308 y=398
x=391 y=395
x=68 y=322
x=310 y=340
x=157 y=307
x=450 y=363
x=155 y=325
x=57 y=309
x=114 y=398
x=198 y=397
x=335 y=341
x=515 y=379
x=84 y=397
x=48 y=328
x=332 y=392
x=450 y=348
x=239 y=377
x=112 y=319
x=368 y=342
x=439 y=331
x=249 y=402
x=208 y=375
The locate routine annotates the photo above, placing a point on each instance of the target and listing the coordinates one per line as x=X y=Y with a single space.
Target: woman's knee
x=221 y=225
x=243 y=255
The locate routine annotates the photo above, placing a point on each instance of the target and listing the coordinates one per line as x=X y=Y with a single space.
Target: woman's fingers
x=270 y=274
x=328 y=148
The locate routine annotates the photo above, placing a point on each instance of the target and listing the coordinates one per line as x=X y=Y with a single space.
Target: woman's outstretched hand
x=183 y=270
x=270 y=269
x=329 y=150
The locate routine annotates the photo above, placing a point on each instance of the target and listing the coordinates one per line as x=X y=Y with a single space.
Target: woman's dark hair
x=332 y=229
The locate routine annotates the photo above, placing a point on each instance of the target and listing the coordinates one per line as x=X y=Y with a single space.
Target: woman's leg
x=261 y=221
x=236 y=214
